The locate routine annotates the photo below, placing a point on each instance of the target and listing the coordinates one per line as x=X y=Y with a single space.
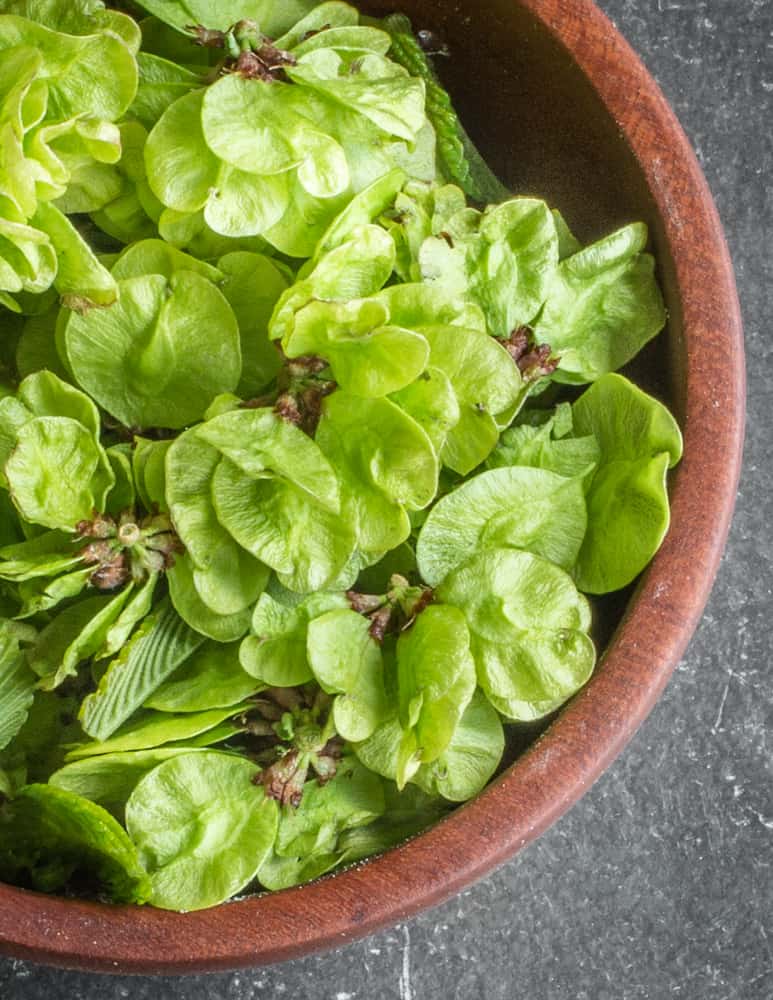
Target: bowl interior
x=546 y=130
x=541 y=124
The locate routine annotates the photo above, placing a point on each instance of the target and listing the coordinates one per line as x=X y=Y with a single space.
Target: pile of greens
x=301 y=490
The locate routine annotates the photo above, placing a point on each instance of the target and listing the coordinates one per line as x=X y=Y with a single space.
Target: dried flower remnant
x=266 y=64
x=394 y=611
x=127 y=548
x=249 y=52
x=207 y=38
x=301 y=391
x=534 y=361
x=295 y=735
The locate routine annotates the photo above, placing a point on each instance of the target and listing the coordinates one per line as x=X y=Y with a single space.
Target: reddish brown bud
x=251 y=67
x=111 y=575
x=206 y=37
x=284 y=780
x=97 y=552
x=380 y=623
x=534 y=360
x=287 y=408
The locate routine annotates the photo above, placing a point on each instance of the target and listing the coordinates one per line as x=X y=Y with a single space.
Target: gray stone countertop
x=658 y=883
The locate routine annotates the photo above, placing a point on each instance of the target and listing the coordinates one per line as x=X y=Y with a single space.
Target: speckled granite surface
x=658 y=884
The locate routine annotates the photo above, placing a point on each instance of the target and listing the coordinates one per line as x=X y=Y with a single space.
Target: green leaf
x=37 y=749
x=568 y=244
x=367 y=356
x=468 y=763
x=231 y=588
x=149 y=472
x=407 y=813
x=261 y=444
x=432 y=403
x=36 y=348
x=306 y=844
x=202 y=828
x=519 y=507
x=253 y=285
x=122 y=496
x=161 y=354
x=251 y=125
x=160 y=39
x=134 y=611
x=154 y=729
x=182 y=171
x=386 y=464
x=161 y=83
x=17 y=682
x=156 y=650
x=46 y=395
x=13 y=416
x=78 y=17
x=58 y=474
x=379 y=90
x=186 y=176
x=190 y=467
x=363 y=209
x=131 y=215
x=549 y=446
x=207 y=592
x=273 y=17
x=49 y=836
x=275 y=653
x=28 y=260
x=355 y=38
x=603 y=306
x=110 y=779
x=42 y=556
x=81 y=280
x=506 y=260
x=76 y=634
x=92 y=185
x=628 y=511
x=92 y=75
x=488 y=388
x=43 y=594
x=43 y=394
x=355 y=269
x=211 y=678
x=278 y=469
x=319 y=17
x=195 y=612
x=284 y=526
x=154 y=256
x=190 y=231
x=244 y=205
x=346 y=661
x=528 y=625
x=435 y=681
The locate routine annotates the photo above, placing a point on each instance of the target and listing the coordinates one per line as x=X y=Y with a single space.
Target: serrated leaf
x=161 y=644
x=17 y=683
x=48 y=835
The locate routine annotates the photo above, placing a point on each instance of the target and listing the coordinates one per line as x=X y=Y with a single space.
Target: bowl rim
x=593 y=729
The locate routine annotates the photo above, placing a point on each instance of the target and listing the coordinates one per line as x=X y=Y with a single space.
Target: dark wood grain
x=566 y=110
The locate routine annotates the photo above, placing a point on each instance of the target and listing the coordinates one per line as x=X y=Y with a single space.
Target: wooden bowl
x=564 y=109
